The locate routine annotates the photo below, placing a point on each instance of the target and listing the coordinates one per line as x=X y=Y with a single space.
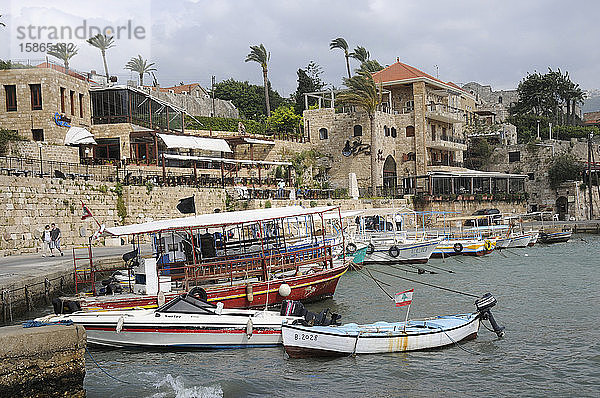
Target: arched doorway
x=389 y=175
x=562 y=207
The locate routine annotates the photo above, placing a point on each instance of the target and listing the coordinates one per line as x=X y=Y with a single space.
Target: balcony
x=445 y=114
x=447 y=142
x=444 y=163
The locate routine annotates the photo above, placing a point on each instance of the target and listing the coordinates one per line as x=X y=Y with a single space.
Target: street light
x=87 y=162
x=41 y=164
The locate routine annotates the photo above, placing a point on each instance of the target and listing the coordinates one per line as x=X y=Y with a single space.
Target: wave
x=175 y=387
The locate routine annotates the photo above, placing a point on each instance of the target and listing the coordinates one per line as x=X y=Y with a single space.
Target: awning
x=216 y=219
x=475 y=173
x=257 y=141
x=231 y=161
x=78 y=136
x=191 y=142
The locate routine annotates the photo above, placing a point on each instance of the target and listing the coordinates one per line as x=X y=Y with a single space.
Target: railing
x=444 y=163
x=45 y=64
x=446 y=109
x=31 y=167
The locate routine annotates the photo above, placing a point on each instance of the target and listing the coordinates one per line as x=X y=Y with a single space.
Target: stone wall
x=115 y=130
x=24 y=119
x=50 y=152
x=42 y=361
x=469 y=207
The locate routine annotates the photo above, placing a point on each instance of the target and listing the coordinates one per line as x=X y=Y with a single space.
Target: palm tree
x=260 y=55
x=361 y=54
x=64 y=52
x=141 y=66
x=2 y=23
x=343 y=45
x=362 y=93
x=103 y=43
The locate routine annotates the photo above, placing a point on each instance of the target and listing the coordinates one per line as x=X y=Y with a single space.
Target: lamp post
x=538 y=129
x=41 y=164
x=87 y=162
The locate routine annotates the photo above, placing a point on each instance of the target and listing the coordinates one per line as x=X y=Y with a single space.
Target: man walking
x=45 y=240
x=55 y=240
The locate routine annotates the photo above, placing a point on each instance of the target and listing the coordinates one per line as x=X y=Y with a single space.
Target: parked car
x=495 y=218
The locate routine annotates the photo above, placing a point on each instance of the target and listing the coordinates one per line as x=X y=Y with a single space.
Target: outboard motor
x=484 y=304
x=296 y=308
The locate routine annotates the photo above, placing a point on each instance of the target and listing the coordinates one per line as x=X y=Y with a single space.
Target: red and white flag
x=403 y=298
x=86 y=212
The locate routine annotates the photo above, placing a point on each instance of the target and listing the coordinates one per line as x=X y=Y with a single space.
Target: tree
x=260 y=55
x=563 y=167
x=342 y=45
x=309 y=81
x=284 y=119
x=362 y=93
x=371 y=66
x=64 y=52
x=360 y=54
x=479 y=153
x=103 y=43
x=247 y=98
x=140 y=66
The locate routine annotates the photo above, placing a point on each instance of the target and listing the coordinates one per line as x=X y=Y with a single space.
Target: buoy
x=249 y=293
x=284 y=290
x=161 y=298
x=249 y=328
x=526 y=255
x=120 y=324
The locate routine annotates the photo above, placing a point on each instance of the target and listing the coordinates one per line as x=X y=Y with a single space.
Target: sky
x=490 y=42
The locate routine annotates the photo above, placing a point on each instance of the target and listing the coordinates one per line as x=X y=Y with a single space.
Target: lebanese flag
x=86 y=212
x=403 y=298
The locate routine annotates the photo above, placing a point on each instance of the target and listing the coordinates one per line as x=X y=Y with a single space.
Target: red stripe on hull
x=164 y=330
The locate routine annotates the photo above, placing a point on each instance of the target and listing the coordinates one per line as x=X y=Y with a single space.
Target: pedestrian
x=55 y=240
x=280 y=189
x=45 y=240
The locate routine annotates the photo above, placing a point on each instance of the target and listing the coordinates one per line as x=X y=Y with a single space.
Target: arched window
x=357 y=130
x=411 y=156
x=386 y=131
x=410 y=131
x=500 y=99
x=323 y=133
x=394 y=132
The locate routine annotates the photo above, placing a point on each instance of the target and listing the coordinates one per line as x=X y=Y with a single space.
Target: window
x=500 y=99
x=531 y=176
x=386 y=131
x=409 y=106
x=38 y=134
x=433 y=132
x=11 y=98
x=80 y=105
x=72 y=96
x=323 y=133
x=514 y=156
x=62 y=100
x=410 y=131
x=411 y=156
x=36 y=96
x=394 y=132
x=357 y=130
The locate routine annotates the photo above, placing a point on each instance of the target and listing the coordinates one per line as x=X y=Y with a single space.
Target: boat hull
x=554 y=237
x=305 y=341
x=520 y=241
x=407 y=253
x=308 y=287
x=465 y=247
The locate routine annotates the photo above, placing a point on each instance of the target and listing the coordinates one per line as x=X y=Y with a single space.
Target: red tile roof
x=399 y=71
x=178 y=89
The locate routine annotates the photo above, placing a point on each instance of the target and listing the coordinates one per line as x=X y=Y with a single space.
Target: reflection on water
x=547 y=300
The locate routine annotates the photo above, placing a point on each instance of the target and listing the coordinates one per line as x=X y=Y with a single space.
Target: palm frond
x=361 y=54
x=259 y=54
x=339 y=43
x=101 y=41
x=139 y=65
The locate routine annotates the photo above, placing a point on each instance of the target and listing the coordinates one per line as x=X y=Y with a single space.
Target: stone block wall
x=24 y=119
x=115 y=130
x=50 y=152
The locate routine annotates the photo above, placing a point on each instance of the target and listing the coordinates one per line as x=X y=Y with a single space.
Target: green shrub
x=224 y=124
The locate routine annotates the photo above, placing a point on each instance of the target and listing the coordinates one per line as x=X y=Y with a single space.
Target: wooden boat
x=301 y=340
x=243 y=259
x=184 y=322
x=555 y=236
x=465 y=247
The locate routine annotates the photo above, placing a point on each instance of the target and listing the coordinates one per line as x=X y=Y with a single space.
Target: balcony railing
x=446 y=112
x=450 y=163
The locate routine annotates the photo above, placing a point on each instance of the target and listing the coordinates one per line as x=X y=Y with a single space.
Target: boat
x=465 y=247
x=187 y=321
x=520 y=240
x=550 y=236
x=244 y=259
x=303 y=340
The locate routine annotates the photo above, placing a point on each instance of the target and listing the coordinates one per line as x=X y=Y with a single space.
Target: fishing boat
x=243 y=259
x=187 y=321
x=549 y=236
x=302 y=340
x=465 y=247
x=520 y=240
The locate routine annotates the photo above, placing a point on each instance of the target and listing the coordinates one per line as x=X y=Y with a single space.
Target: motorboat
x=465 y=247
x=187 y=321
x=304 y=340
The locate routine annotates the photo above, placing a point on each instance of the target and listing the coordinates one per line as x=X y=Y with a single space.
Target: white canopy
x=232 y=161
x=191 y=142
x=79 y=135
x=215 y=219
x=257 y=141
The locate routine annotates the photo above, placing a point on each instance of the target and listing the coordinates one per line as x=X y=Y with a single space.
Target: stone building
x=418 y=128
x=42 y=103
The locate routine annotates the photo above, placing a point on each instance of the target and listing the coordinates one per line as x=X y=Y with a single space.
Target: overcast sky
x=491 y=42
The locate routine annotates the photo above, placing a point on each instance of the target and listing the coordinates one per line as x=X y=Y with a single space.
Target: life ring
x=394 y=252
x=487 y=245
x=458 y=247
x=370 y=249
x=350 y=248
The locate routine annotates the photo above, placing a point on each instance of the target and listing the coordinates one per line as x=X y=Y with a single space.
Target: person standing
x=46 y=238
x=55 y=240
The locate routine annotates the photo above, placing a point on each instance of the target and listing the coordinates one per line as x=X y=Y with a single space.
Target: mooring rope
x=375 y=280
x=104 y=371
x=427 y=284
x=458 y=345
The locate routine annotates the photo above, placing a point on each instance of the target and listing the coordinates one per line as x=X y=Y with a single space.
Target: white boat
x=400 y=252
x=465 y=247
x=520 y=240
x=503 y=243
x=381 y=337
x=184 y=322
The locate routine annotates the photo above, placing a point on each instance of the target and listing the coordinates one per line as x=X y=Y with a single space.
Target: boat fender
x=219 y=309
x=350 y=248
x=249 y=328
x=487 y=245
x=120 y=324
x=458 y=247
x=249 y=293
x=73 y=306
x=370 y=249
x=484 y=305
x=394 y=252
x=199 y=293
x=284 y=290
x=161 y=298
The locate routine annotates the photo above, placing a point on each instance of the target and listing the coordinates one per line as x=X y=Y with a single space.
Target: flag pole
x=406 y=319
x=91 y=214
